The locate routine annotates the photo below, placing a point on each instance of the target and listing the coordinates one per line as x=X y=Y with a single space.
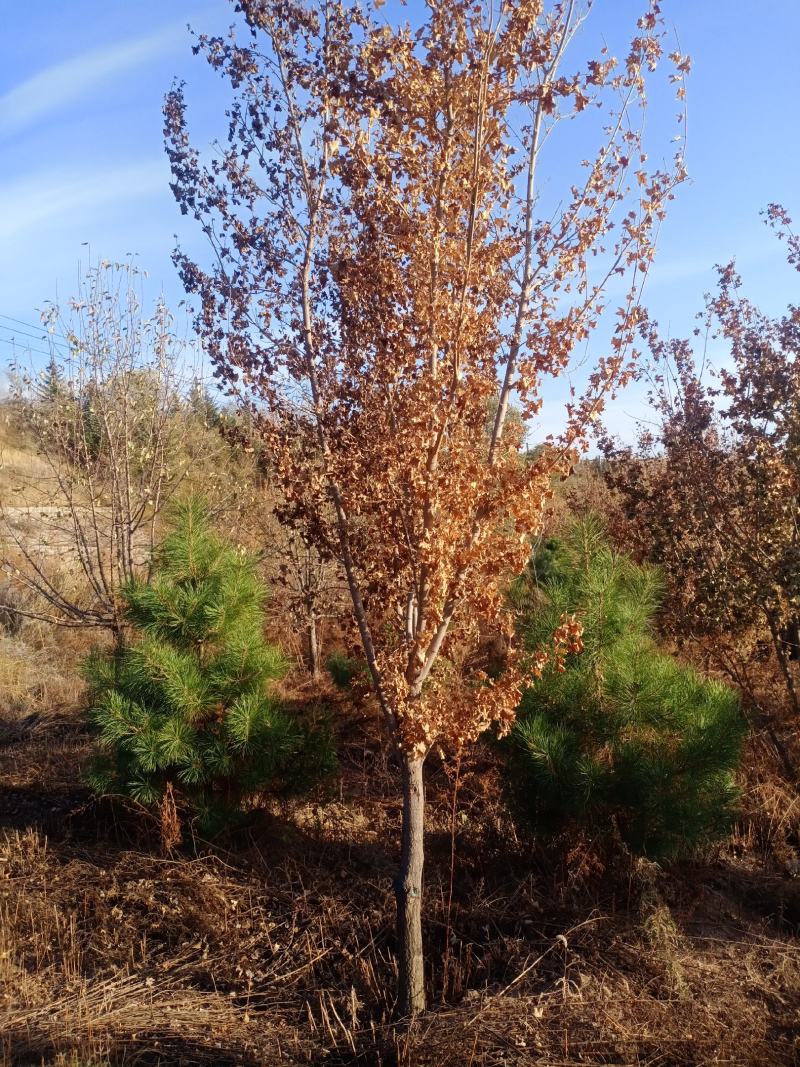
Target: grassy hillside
x=25 y=477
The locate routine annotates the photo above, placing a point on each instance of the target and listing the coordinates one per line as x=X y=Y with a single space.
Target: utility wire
x=20 y=322
x=34 y=336
x=29 y=325
x=25 y=348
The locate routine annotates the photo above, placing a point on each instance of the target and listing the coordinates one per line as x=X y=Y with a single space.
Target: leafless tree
x=107 y=417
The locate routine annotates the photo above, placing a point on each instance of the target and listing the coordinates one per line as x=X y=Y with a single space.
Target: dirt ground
x=277 y=947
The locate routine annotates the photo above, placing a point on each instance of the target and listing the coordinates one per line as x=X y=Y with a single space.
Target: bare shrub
x=113 y=429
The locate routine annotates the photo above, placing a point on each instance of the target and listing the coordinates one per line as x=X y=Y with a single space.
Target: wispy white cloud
x=32 y=202
x=60 y=85
x=753 y=253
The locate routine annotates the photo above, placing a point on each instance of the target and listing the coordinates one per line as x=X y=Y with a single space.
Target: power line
x=26 y=348
x=30 y=326
x=34 y=336
x=21 y=322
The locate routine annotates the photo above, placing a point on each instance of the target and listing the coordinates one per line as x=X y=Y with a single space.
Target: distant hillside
x=25 y=478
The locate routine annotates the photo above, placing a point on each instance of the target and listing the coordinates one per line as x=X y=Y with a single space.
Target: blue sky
x=81 y=88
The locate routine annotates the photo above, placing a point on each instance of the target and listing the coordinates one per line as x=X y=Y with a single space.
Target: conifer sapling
x=620 y=735
x=185 y=708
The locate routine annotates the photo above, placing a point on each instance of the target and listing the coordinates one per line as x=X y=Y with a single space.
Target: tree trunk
x=791 y=638
x=408 y=890
x=778 y=645
x=313 y=649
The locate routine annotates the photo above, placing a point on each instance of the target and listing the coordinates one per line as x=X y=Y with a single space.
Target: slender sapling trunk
x=408 y=890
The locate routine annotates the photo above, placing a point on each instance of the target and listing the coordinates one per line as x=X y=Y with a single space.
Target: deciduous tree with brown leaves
x=383 y=274
x=712 y=494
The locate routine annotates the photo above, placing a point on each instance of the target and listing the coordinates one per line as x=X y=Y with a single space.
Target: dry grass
x=37 y=669
x=770 y=819
x=25 y=477
x=281 y=950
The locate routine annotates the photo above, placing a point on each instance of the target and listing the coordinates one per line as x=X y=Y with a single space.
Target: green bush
x=344 y=670
x=185 y=706
x=623 y=735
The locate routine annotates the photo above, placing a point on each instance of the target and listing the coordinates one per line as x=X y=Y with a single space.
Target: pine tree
x=51 y=385
x=203 y=405
x=184 y=709
x=620 y=734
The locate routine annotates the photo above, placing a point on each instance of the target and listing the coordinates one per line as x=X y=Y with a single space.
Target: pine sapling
x=620 y=735
x=185 y=711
